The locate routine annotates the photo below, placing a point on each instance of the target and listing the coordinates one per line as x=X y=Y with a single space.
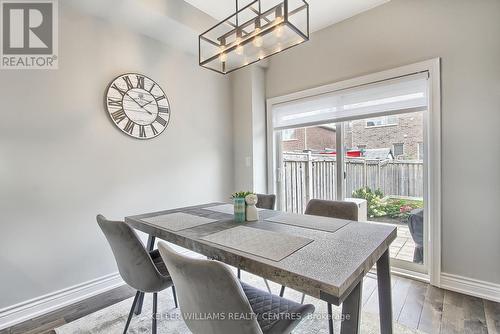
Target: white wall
x=241 y=83
x=466 y=34
x=259 y=129
x=249 y=129
x=62 y=161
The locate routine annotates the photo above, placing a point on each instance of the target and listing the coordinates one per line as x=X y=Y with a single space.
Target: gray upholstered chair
x=265 y=201
x=331 y=209
x=142 y=270
x=210 y=287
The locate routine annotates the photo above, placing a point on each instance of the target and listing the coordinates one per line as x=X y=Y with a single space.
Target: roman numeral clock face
x=138 y=106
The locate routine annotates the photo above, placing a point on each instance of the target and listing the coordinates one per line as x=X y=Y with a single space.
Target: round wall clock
x=137 y=105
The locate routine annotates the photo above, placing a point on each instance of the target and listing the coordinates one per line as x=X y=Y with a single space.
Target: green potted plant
x=240 y=205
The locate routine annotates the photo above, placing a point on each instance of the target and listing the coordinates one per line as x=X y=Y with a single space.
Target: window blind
x=399 y=95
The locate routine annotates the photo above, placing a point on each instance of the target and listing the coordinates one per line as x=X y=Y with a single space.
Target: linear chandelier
x=252 y=34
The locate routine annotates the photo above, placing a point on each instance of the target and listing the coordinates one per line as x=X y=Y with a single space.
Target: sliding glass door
x=308 y=169
x=366 y=145
x=384 y=174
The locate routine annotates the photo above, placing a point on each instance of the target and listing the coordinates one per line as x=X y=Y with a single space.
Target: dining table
x=326 y=258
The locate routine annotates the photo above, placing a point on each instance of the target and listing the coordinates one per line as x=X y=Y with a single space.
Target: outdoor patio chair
x=416 y=226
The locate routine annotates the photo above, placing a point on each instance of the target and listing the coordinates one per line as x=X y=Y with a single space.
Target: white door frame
x=432 y=150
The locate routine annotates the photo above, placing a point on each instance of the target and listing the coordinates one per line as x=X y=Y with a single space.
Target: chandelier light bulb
x=239 y=50
x=258 y=41
x=278 y=31
x=223 y=57
x=278 y=14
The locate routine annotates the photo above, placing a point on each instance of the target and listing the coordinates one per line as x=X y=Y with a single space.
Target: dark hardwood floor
x=416 y=305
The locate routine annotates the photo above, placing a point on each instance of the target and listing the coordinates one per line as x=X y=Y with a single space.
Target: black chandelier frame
x=239 y=28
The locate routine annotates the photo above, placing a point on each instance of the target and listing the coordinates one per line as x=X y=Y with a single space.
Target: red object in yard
x=351 y=154
x=354 y=153
x=405 y=208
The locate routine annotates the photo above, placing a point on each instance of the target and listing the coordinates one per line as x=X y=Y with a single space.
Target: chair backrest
x=209 y=287
x=265 y=201
x=416 y=226
x=332 y=209
x=134 y=263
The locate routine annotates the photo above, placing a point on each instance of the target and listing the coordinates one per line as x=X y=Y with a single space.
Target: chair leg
x=175 y=297
x=282 y=291
x=131 y=311
x=330 y=319
x=149 y=246
x=267 y=285
x=155 y=310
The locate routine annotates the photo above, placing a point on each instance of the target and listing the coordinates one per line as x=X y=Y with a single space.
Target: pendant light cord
x=237 y=8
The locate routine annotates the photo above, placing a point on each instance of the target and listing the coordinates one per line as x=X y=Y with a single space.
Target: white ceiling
x=173 y=22
x=322 y=12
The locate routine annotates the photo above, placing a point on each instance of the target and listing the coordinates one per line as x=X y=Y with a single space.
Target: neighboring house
x=402 y=134
x=316 y=138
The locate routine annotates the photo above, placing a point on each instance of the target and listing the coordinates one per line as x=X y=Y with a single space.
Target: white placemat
x=178 y=221
x=225 y=208
x=267 y=244
x=309 y=221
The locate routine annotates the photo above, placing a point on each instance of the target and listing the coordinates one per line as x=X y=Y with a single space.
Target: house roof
x=378 y=153
x=328 y=127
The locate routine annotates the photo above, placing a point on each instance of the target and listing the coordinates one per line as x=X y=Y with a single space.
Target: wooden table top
x=328 y=268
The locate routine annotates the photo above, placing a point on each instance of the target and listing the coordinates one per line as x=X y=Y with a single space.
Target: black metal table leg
x=149 y=246
x=384 y=293
x=351 y=310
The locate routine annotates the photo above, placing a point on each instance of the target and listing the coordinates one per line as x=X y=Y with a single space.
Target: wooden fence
x=307 y=176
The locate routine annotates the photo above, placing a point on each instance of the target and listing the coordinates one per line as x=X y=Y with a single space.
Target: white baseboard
x=29 y=309
x=470 y=286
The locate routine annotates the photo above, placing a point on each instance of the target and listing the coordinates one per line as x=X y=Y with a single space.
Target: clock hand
x=138 y=103
x=146 y=104
x=133 y=99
